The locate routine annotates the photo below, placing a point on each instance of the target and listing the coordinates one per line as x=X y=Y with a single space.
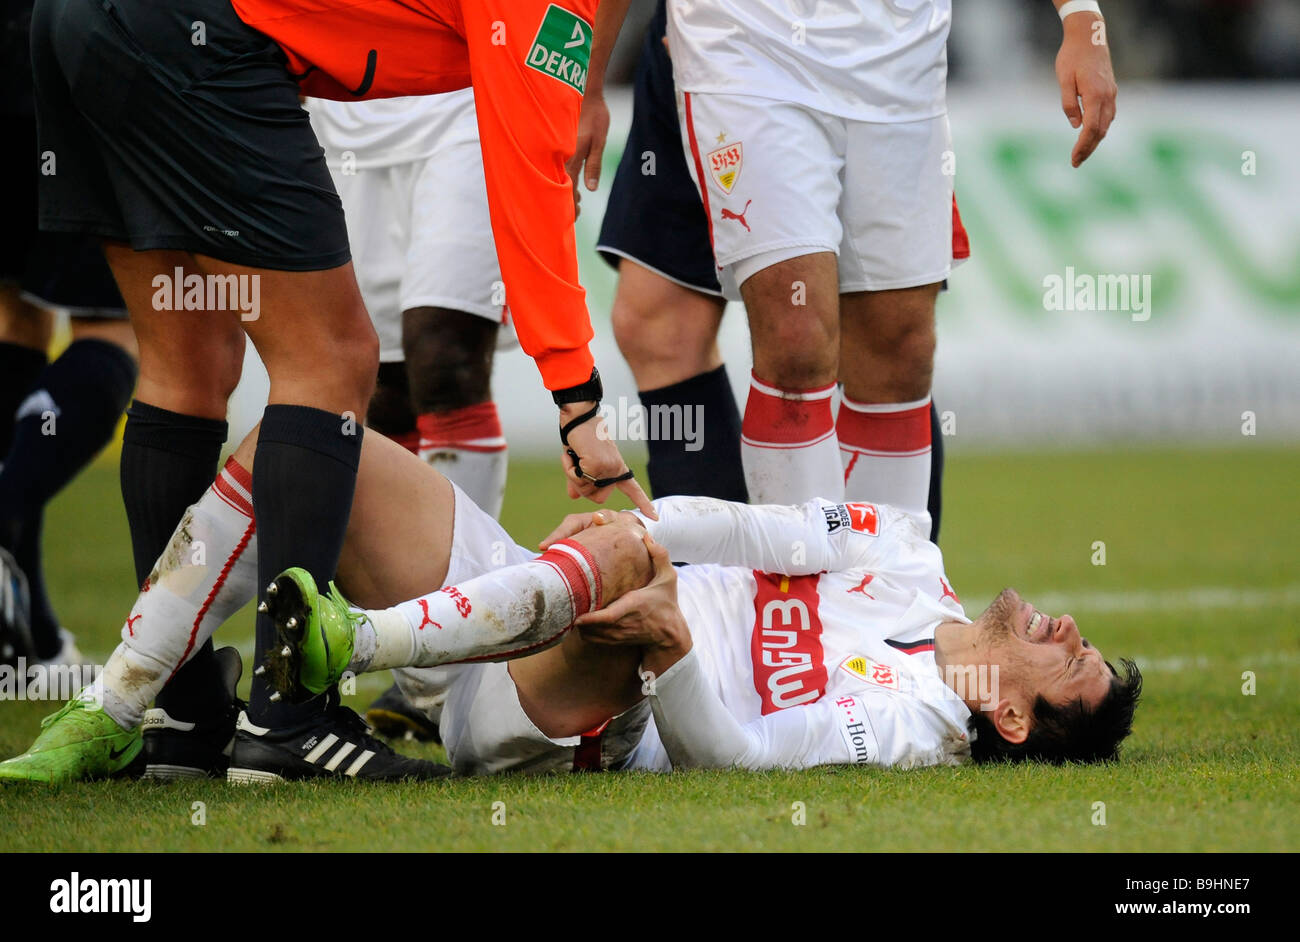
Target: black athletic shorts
x=657 y=219
x=176 y=126
x=58 y=269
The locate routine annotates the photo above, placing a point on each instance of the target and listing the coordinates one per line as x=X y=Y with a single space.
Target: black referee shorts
x=173 y=125
x=657 y=218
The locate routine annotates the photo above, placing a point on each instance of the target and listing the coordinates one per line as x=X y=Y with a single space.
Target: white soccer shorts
x=781 y=180
x=421 y=236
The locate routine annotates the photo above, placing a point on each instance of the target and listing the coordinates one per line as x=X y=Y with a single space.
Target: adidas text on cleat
x=179 y=749
x=314 y=635
x=337 y=744
x=78 y=743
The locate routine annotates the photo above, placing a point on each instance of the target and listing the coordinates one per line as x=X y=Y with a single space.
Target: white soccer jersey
x=830 y=663
x=389 y=131
x=866 y=60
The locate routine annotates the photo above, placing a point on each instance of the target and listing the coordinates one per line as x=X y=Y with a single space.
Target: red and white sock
x=886 y=452
x=787 y=444
x=508 y=613
x=468 y=446
x=207 y=573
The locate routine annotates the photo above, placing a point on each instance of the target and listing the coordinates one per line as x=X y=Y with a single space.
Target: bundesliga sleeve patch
x=562 y=48
x=858 y=517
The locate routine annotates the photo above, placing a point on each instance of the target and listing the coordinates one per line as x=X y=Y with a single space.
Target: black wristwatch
x=590 y=391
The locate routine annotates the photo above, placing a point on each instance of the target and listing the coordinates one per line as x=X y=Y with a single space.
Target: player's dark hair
x=1068 y=733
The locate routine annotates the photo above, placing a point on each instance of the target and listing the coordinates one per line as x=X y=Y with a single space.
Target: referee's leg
x=321 y=353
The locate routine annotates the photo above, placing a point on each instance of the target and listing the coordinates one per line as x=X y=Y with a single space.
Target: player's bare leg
x=22 y=322
x=668 y=334
x=576 y=685
x=190 y=360
x=665 y=331
x=886 y=365
x=789 y=444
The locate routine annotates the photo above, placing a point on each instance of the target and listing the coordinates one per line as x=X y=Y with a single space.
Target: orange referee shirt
x=527 y=61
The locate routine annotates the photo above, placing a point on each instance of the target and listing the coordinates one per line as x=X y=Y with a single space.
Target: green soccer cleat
x=76 y=744
x=315 y=635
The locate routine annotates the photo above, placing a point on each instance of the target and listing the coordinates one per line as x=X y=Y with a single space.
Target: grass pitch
x=1199 y=583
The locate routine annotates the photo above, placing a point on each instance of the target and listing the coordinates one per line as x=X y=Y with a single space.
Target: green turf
x=1208 y=768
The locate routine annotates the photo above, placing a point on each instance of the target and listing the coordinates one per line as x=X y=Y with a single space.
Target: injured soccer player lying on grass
x=795 y=637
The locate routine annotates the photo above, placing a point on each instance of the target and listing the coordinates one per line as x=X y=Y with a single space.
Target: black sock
x=67 y=418
x=19 y=367
x=935 y=502
x=304 y=476
x=27 y=553
x=168 y=461
x=714 y=468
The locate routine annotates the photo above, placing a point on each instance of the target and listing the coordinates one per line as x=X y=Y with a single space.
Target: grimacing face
x=1039 y=654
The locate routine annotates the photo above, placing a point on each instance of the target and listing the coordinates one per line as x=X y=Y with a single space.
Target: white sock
x=468 y=446
x=788 y=445
x=886 y=452
x=508 y=613
x=207 y=573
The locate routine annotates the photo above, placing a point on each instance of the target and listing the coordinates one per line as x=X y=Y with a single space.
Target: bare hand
x=576 y=523
x=600 y=458
x=593 y=128
x=647 y=617
x=1084 y=72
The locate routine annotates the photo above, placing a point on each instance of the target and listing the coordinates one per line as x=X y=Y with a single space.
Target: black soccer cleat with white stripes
x=337 y=744
x=178 y=749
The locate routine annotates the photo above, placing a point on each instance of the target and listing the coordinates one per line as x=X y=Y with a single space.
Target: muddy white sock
x=494 y=617
x=207 y=573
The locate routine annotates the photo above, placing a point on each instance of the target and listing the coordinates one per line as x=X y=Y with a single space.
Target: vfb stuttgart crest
x=724 y=165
